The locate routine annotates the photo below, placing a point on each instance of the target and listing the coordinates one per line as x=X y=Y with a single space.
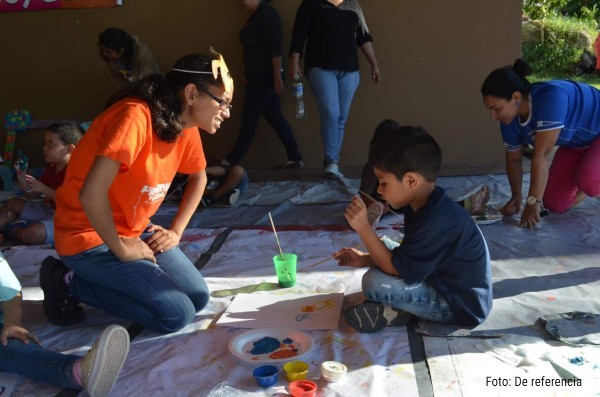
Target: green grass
x=590 y=79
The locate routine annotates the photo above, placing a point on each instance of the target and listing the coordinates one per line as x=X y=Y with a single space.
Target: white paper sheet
x=295 y=311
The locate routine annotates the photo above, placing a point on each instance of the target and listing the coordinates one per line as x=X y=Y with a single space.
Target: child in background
x=21 y=353
x=36 y=224
x=225 y=183
x=376 y=206
x=441 y=270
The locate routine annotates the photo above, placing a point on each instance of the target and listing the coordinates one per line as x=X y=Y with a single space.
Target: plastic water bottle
x=299 y=93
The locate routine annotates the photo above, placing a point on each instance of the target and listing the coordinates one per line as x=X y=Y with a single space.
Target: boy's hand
x=162 y=240
x=356 y=214
x=20 y=173
x=135 y=249
x=33 y=185
x=351 y=257
x=17 y=333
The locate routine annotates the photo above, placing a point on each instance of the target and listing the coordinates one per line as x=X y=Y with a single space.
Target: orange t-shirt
x=148 y=165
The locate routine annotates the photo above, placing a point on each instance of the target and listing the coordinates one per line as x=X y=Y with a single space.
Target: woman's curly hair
x=161 y=93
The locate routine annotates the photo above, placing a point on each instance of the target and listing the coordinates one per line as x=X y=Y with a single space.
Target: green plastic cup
x=286 y=269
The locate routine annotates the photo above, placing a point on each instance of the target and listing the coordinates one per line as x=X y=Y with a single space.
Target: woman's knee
x=589 y=186
x=200 y=299
x=558 y=204
x=177 y=318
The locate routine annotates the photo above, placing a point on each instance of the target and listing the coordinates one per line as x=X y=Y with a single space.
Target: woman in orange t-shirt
x=118 y=176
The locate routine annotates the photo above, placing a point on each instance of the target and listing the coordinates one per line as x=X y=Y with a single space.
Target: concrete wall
x=433 y=58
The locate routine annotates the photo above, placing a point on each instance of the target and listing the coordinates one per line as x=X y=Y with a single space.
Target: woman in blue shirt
x=546 y=114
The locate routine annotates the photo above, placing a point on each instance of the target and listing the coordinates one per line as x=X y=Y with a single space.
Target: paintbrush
x=276 y=238
x=386 y=204
x=325 y=260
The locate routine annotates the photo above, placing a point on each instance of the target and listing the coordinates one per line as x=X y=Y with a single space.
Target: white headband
x=218 y=67
x=191 y=71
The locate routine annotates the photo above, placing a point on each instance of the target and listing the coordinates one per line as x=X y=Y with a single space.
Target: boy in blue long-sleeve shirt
x=441 y=270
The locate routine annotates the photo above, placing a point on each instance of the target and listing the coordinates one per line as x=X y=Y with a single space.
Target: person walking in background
x=332 y=31
x=126 y=56
x=263 y=74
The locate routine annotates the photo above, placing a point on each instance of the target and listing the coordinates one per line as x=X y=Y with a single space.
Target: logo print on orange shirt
x=156 y=193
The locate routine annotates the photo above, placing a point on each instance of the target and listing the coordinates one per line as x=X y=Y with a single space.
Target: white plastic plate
x=267 y=345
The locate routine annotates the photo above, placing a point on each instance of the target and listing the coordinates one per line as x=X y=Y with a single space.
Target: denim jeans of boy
x=164 y=296
x=420 y=299
x=37 y=363
x=333 y=90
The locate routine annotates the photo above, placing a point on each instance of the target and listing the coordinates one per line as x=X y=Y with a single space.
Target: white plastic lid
x=332 y=371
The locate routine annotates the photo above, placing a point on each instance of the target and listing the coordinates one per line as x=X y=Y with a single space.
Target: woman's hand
x=162 y=240
x=512 y=207
x=278 y=85
x=17 y=333
x=530 y=216
x=295 y=72
x=375 y=74
x=135 y=249
x=351 y=257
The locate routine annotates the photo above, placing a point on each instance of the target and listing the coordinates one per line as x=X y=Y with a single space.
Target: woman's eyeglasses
x=224 y=104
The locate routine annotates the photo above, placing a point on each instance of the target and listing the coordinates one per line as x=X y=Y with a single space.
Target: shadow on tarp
x=517 y=286
x=246 y=289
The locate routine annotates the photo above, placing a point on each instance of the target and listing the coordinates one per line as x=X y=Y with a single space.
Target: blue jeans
x=37 y=363
x=420 y=299
x=164 y=296
x=333 y=90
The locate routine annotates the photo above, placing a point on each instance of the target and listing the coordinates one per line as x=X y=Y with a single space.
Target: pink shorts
x=572 y=171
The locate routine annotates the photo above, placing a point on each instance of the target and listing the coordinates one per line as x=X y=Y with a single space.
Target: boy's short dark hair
x=409 y=149
x=386 y=128
x=68 y=133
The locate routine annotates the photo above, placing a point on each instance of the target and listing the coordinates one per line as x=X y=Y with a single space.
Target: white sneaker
x=233 y=196
x=332 y=171
x=101 y=365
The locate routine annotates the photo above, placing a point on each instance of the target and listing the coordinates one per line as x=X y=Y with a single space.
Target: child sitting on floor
x=441 y=270
x=35 y=223
x=21 y=353
x=475 y=203
x=225 y=183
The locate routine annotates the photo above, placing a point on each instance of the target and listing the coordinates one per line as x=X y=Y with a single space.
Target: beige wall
x=433 y=57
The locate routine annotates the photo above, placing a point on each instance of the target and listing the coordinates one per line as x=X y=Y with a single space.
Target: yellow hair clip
x=218 y=67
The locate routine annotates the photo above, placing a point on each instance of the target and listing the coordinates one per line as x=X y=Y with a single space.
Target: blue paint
x=577 y=361
x=265 y=345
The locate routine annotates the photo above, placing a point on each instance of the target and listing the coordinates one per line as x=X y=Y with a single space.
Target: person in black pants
x=263 y=75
